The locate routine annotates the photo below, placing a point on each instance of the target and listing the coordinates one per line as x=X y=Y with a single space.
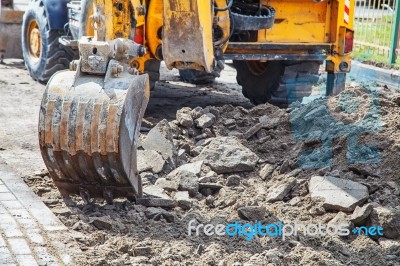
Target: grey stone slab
x=26 y=260
x=19 y=246
x=336 y=193
x=5 y=257
x=11 y=230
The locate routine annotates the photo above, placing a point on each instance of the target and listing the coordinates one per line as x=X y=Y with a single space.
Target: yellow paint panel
x=297 y=21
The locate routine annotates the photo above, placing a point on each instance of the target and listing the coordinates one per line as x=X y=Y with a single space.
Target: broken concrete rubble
x=186 y=176
x=149 y=160
x=184 y=117
x=259 y=194
x=228 y=155
x=277 y=193
x=160 y=139
x=182 y=197
x=233 y=181
x=205 y=120
x=337 y=194
x=266 y=171
x=388 y=219
x=252 y=213
x=360 y=214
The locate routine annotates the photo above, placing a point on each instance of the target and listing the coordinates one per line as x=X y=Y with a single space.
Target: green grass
x=378 y=33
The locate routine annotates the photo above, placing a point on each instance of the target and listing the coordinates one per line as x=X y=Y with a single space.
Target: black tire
x=278 y=82
x=200 y=77
x=53 y=56
x=152 y=68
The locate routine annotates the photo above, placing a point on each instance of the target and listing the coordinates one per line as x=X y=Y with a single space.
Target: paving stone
x=6 y=257
x=342 y=219
x=21 y=209
x=188 y=182
x=12 y=205
x=34 y=236
x=2 y=242
x=28 y=223
x=6 y=218
x=194 y=168
x=20 y=213
x=252 y=131
x=26 y=260
x=11 y=230
x=19 y=246
x=44 y=258
x=186 y=176
x=103 y=223
x=3 y=189
x=6 y=196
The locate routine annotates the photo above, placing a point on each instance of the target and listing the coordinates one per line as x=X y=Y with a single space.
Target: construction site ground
x=245 y=164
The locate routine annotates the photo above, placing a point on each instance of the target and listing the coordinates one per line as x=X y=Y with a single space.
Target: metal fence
x=376 y=30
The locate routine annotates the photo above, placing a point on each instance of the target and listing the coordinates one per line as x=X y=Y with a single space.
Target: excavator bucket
x=88 y=129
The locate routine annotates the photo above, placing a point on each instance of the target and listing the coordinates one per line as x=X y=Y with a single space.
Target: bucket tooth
x=84 y=193
x=108 y=196
x=88 y=130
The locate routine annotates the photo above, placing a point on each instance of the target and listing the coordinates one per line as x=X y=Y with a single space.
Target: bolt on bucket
x=88 y=130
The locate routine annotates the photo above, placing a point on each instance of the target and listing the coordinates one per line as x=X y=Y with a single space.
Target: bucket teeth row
x=88 y=134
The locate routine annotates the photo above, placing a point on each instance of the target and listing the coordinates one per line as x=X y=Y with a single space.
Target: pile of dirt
x=222 y=165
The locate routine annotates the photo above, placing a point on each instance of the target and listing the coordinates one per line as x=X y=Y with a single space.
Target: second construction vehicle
x=91 y=113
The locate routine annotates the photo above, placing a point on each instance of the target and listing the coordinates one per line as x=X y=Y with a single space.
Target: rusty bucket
x=88 y=130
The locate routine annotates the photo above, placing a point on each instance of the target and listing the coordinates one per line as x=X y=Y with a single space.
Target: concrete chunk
x=252 y=213
x=388 y=219
x=205 y=120
x=160 y=139
x=337 y=194
x=228 y=155
x=155 y=192
x=360 y=214
x=279 y=192
x=266 y=171
x=149 y=161
x=184 y=117
x=182 y=197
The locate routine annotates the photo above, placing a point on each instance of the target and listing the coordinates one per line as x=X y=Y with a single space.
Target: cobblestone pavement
x=30 y=234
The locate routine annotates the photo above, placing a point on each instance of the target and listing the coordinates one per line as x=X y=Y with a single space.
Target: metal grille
x=373 y=25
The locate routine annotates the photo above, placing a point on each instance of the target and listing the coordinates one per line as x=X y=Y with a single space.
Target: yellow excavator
x=91 y=113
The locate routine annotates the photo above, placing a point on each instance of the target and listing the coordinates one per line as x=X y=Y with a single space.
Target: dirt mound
x=221 y=165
